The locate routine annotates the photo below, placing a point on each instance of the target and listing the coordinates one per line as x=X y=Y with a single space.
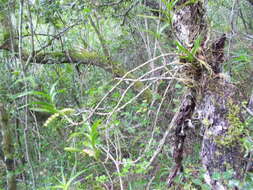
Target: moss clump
x=6 y=36
x=85 y=55
x=237 y=129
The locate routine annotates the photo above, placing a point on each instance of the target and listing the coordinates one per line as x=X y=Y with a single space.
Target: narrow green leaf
x=71 y=149
x=43 y=110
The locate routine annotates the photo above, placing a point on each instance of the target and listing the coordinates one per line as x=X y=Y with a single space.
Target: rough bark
x=221 y=151
x=8 y=149
x=212 y=98
x=250 y=104
x=181 y=122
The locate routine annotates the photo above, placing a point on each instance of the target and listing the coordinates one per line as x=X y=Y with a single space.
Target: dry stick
x=127 y=73
x=37 y=132
x=101 y=39
x=26 y=87
x=111 y=3
x=248 y=110
x=139 y=94
x=158 y=111
x=123 y=106
x=56 y=36
x=108 y=174
x=147 y=44
x=232 y=22
x=31 y=26
x=156 y=78
x=130 y=101
x=150 y=182
x=105 y=51
x=117 y=145
x=116 y=165
x=157 y=46
x=152 y=78
x=126 y=90
x=116 y=109
x=162 y=141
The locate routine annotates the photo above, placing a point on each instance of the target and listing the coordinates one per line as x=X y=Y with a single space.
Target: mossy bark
x=221 y=148
x=210 y=97
x=7 y=149
x=83 y=56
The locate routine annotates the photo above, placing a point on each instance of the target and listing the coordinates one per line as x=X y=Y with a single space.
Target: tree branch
x=81 y=56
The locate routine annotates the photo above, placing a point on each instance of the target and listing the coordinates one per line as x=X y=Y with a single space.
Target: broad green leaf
x=86 y=10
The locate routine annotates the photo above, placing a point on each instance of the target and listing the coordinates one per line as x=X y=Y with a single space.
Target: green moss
x=6 y=36
x=118 y=71
x=237 y=129
x=5 y=117
x=147 y=94
x=57 y=54
x=85 y=55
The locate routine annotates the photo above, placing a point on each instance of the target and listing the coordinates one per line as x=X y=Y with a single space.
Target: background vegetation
x=91 y=108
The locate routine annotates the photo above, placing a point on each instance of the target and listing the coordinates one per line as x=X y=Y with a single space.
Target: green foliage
x=64 y=183
x=169 y=9
x=61 y=141
x=194 y=178
x=91 y=142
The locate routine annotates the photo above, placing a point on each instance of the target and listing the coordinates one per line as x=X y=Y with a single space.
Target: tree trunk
x=7 y=146
x=212 y=99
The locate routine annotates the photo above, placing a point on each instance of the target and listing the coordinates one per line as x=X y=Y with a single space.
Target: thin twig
x=26 y=87
x=123 y=77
